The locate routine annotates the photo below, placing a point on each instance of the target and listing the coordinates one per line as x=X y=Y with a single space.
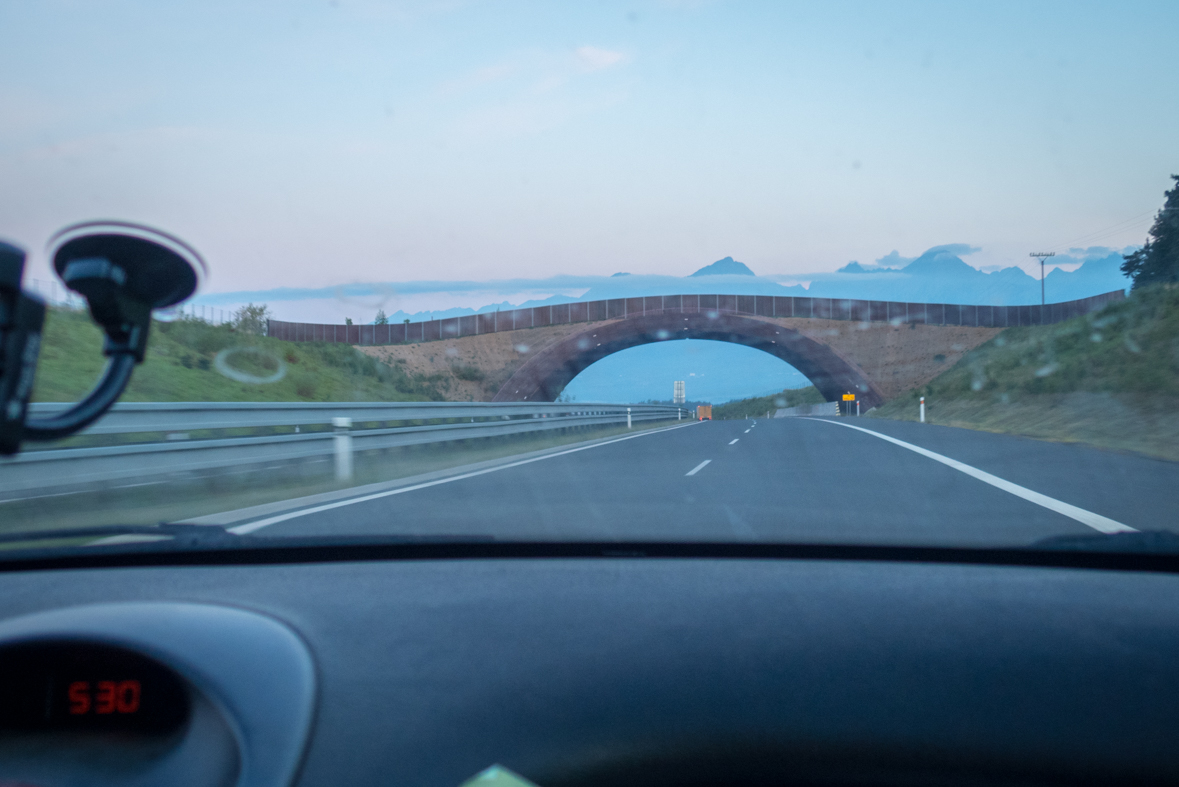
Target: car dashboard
x=615 y=667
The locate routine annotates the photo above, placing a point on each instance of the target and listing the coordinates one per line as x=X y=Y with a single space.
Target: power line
x=1121 y=226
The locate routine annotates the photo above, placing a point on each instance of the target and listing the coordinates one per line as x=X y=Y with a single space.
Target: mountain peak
x=728 y=266
x=940 y=262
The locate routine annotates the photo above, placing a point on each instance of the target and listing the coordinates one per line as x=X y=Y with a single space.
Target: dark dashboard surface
x=679 y=671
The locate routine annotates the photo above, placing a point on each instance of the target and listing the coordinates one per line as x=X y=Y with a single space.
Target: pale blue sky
x=308 y=144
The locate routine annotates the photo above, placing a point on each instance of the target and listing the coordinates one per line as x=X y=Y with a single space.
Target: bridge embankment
x=896 y=358
x=875 y=349
x=473 y=368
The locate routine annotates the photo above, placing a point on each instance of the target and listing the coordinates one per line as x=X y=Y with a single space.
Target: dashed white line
x=1095 y=521
x=735 y=439
x=747 y=430
x=698 y=468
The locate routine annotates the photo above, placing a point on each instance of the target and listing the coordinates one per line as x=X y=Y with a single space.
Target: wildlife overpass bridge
x=875 y=349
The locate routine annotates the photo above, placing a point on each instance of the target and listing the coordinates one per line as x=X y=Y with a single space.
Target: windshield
x=862 y=273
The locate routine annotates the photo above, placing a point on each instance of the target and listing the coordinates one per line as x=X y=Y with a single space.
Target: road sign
x=849 y=397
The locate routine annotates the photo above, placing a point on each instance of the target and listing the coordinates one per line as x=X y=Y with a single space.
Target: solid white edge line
x=697 y=468
x=1095 y=521
x=733 y=441
x=251 y=527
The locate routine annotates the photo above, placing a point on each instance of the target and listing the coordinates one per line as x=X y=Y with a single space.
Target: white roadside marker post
x=343 y=442
x=628 y=418
x=922 y=409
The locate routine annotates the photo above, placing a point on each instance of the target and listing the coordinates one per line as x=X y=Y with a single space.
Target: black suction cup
x=124 y=271
x=12 y=265
x=149 y=266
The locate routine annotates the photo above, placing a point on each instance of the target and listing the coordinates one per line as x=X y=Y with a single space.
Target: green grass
x=180 y=366
x=1109 y=379
x=758 y=406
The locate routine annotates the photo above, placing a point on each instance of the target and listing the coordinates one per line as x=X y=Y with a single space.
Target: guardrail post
x=628 y=418
x=343 y=448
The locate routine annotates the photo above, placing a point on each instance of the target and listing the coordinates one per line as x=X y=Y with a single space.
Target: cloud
x=959 y=249
x=1092 y=252
x=592 y=58
x=535 y=91
x=893 y=260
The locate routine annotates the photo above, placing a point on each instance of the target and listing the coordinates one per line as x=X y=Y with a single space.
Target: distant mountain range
x=939 y=275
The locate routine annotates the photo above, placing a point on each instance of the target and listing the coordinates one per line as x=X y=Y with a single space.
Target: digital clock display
x=84 y=687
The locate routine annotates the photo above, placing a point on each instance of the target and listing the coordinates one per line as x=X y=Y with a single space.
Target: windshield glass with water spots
x=838 y=273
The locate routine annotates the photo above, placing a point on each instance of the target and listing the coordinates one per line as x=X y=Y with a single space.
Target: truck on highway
x=703 y=412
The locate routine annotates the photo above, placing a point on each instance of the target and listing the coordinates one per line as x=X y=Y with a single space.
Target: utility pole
x=1042 y=255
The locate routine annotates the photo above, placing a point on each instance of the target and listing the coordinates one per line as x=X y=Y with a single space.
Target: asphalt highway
x=791 y=479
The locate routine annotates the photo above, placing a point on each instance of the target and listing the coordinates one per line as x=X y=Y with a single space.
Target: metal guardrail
x=75 y=467
x=139 y=417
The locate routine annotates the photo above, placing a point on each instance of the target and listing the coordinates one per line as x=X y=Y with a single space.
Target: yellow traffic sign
x=849 y=397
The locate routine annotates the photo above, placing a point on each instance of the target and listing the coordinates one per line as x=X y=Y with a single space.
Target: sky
x=318 y=144
x=312 y=144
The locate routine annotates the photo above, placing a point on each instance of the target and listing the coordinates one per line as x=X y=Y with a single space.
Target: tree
x=252 y=318
x=1157 y=262
x=381 y=318
x=347 y=320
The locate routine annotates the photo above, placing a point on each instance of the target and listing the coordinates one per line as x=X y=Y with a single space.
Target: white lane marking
x=734 y=440
x=1095 y=521
x=698 y=467
x=747 y=430
x=251 y=527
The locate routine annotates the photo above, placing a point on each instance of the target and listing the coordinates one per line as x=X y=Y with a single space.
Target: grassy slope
x=758 y=406
x=1109 y=379
x=179 y=367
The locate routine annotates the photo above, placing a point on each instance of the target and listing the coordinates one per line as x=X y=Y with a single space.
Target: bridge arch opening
x=712 y=372
x=545 y=375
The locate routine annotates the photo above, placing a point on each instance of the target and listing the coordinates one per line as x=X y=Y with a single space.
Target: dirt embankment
x=897 y=358
x=1109 y=379
x=473 y=368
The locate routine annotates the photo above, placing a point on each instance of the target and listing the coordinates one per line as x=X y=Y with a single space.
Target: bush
x=252 y=319
x=468 y=373
x=197 y=335
x=304 y=386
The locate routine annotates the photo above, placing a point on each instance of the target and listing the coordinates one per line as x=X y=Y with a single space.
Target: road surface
x=790 y=479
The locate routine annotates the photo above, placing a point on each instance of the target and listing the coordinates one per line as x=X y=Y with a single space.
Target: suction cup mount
x=124 y=271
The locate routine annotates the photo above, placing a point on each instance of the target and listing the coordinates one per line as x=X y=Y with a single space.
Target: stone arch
x=545 y=375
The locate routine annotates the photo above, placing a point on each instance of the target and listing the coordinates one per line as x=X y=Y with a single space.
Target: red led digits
x=111 y=697
x=79 y=697
x=105 y=699
x=127 y=696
